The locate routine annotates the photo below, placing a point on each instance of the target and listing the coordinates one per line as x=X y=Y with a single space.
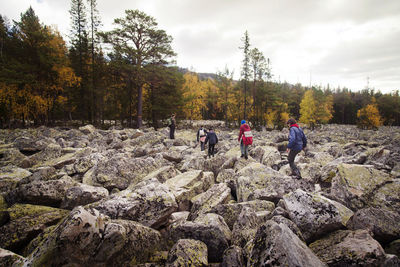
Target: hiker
x=171 y=125
x=245 y=138
x=297 y=142
x=201 y=136
x=212 y=140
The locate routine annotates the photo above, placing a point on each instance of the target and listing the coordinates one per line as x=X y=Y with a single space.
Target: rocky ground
x=127 y=197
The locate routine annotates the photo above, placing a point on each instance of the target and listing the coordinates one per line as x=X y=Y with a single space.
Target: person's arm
x=216 y=137
x=240 y=133
x=292 y=138
x=206 y=140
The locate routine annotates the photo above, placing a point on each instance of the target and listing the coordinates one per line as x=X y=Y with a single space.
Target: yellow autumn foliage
x=369 y=117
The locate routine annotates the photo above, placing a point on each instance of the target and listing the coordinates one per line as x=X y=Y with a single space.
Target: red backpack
x=247 y=138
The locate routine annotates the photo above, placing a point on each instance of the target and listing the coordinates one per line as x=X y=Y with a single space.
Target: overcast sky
x=342 y=43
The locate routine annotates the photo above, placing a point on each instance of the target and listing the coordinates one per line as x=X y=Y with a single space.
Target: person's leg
x=172 y=133
x=242 y=148
x=291 y=158
x=246 y=152
x=212 y=149
x=202 y=146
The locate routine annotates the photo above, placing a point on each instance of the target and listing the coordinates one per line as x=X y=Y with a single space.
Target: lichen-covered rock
x=225 y=175
x=231 y=211
x=210 y=229
x=49 y=193
x=276 y=245
x=87 y=129
x=205 y=202
x=188 y=252
x=86 y=237
x=189 y=184
x=233 y=257
x=52 y=151
x=82 y=194
x=163 y=174
x=121 y=170
x=353 y=184
x=8 y=258
x=10 y=176
x=26 y=222
x=349 y=248
x=387 y=196
x=292 y=226
x=384 y=224
x=245 y=227
x=257 y=181
x=314 y=214
x=150 y=203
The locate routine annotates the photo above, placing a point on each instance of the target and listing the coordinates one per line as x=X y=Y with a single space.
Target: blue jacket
x=212 y=138
x=297 y=139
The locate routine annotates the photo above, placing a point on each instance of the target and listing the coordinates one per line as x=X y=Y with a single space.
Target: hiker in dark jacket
x=201 y=136
x=297 y=142
x=212 y=140
x=171 y=125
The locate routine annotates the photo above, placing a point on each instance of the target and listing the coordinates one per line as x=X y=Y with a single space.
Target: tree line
x=128 y=76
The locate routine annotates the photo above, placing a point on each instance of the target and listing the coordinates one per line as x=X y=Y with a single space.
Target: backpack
x=201 y=132
x=247 y=138
x=169 y=122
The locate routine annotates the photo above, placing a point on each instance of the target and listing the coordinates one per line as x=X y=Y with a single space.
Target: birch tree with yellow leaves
x=369 y=117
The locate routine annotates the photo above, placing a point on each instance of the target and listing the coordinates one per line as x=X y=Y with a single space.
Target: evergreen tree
x=138 y=41
x=246 y=71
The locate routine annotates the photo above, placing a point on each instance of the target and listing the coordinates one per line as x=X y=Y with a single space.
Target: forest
x=128 y=76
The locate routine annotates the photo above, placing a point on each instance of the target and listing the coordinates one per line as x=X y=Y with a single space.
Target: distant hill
x=202 y=75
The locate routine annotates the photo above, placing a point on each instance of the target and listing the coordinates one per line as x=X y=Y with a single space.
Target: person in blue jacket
x=212 y=140
x=297 y=142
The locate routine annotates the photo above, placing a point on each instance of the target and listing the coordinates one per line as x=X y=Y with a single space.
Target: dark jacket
x=297 y=138
x=212 y=138
x=198 y=133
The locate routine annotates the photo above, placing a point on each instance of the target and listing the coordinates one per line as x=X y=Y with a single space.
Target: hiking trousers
x=211 y=150
x=244 y=149
x=172 y=132
x=292 y=155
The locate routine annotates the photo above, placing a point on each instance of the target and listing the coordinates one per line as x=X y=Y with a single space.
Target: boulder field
x=132 y=197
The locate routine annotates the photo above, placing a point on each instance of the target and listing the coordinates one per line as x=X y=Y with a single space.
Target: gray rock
x=49 y=193
x=383 y=224
x=163 y=174
x=233 y=257
x=87 y=129
x=188 y=252
x=10 y=176
x=86 y=237
x=393 y=248
x=205 y=202
x=314 y=214
x=386 y=196
x=8 y=258
x=231 y=211
x=276 y=245
x=82 y=194
x=245 y=227
x=150 y=203
x=349 y=248
x=292 y=226
x=210 y=229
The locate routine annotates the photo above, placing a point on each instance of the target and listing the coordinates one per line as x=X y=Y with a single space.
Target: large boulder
x=383 y=224
x=231 y=211
x=10 y=176
x=86 y=237
x=349 y=248
x=121 y=170
x=163 y=174
x=353 y=184
x=314 y=214
x=276 y=245
x=386 y=196
x=8 y=258
x=245 y=227
x=150 y=203
x=233 y=257
x=210 y=229
x=188 y=252
x=187 y=185
x=257 y=181
x=205 y=202
x=82 y=194
x=26 y=222
x=49 y=193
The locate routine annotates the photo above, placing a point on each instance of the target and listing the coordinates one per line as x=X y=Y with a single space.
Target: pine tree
x=246 y=71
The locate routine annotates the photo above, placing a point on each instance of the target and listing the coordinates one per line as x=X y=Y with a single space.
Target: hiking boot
x=242 y=156
x=246 y=157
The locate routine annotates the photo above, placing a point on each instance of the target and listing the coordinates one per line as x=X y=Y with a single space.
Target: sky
x=343 y=43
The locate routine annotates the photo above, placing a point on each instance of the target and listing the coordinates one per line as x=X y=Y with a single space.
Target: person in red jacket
x=245 y=138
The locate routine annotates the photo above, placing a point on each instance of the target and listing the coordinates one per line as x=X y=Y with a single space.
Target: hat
x=243 y=122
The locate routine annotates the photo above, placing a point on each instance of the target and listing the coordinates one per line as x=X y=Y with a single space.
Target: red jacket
x=246 y=140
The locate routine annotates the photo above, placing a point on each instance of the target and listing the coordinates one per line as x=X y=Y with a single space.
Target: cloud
x=339 y=42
